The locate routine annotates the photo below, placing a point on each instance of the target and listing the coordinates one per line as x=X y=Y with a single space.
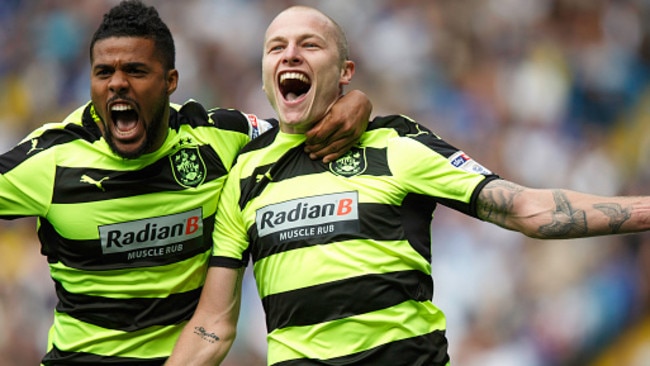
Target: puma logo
x=96 y=183
x=34 y=148
x=259 y=177
x=420 y=132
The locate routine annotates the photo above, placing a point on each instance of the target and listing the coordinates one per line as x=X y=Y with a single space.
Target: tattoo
x=205 y=335
x=566 y=222
x=496 y=201
x=617 y=214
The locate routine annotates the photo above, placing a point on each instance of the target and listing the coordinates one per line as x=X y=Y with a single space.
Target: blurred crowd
x=546 y=93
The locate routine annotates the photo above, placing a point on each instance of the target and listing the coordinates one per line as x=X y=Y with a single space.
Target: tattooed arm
x=559 y=213
x=207 y=338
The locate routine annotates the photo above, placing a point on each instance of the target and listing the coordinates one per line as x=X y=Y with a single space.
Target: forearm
x=208 y=336
x=561 y=214
x=202 y=342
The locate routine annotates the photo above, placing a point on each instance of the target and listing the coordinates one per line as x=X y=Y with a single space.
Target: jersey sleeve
x=427 y=165
x=230 y=237
x=27 y=174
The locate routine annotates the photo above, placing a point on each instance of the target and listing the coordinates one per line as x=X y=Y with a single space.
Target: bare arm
x=341 y=128
x=208 y=336
x=559 y=213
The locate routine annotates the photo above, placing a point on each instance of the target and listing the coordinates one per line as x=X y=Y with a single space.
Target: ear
x=346 y=72
x=172 y=81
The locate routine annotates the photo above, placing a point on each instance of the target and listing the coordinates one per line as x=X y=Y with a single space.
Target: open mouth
x=125 y=118
x=293 y=85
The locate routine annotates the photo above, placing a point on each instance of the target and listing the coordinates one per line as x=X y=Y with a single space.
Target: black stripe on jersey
x=260 y=142
x=38 y=144
x=330 y=301
x=401 y=125
x=434 y=143
x=194 y=114
x=426 y=350
x=56 y=357
x=231 y=120
x=407 y=128
x=70 y=187
x=126 y=314
x=376 y=221
x=301 y=164
x=88 y=255
x=287 y=166
x=416 y=214
x=217 y=261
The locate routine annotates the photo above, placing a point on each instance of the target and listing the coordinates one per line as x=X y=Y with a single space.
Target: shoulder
x=263 y=141
x=402 y=125
x=402 y=129
x=196 y=115
x=79 y=124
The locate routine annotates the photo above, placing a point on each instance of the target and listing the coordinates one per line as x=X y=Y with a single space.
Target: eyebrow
x=301 y=38
x=124 y=64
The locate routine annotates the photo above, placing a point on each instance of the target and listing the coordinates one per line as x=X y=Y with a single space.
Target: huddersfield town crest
x=351 y=164
x=188 y=166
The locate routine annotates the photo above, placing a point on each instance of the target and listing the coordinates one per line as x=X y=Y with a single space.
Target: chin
x=129 y=151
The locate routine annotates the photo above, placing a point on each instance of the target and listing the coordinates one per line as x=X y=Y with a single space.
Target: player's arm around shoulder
x=208 y=336
x=341 y=128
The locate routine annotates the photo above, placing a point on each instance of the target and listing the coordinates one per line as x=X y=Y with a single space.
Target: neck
x=295 y=129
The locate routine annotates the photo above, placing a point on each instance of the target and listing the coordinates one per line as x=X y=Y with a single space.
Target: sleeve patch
x=255 y=126
x=462 y=161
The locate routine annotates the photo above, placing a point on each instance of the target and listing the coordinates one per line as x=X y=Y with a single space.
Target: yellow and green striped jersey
x=127 y=240
x=341 y=251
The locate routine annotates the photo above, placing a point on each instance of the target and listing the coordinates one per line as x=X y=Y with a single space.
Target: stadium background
x=548 y=93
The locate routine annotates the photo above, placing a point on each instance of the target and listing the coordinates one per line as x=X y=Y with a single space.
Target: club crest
x=188 y=166
x=351 y=164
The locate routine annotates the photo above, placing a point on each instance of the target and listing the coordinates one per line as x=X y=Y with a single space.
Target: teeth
x=121 y=107
x=294 y=75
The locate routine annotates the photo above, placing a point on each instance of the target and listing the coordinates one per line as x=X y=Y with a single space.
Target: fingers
x=329 y=151
x=329 y=147
x=325 y=130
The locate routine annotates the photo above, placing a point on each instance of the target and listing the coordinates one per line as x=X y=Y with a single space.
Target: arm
x=208 y=336
x=559 y=213
x=341 y=128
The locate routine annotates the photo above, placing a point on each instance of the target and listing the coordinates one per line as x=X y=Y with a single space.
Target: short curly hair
x=132 y=18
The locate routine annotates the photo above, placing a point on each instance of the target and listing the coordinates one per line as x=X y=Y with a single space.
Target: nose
x=291 y=55
x=118 y=83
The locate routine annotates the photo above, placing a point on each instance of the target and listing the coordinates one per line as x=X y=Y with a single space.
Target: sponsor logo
x=188 y=166
x=308 y=216
x=351 y=164
x=151 y=237
x=462 y=161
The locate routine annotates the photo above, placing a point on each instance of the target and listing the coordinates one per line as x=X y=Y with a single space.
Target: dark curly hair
x=131 y=18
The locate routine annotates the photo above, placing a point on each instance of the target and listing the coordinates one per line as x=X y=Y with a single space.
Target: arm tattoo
x=617 y=214
x=566 y=222
x=496 y=201
x=205 y=335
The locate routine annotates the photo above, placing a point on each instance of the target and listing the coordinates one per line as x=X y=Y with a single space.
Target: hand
x=341 y=128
